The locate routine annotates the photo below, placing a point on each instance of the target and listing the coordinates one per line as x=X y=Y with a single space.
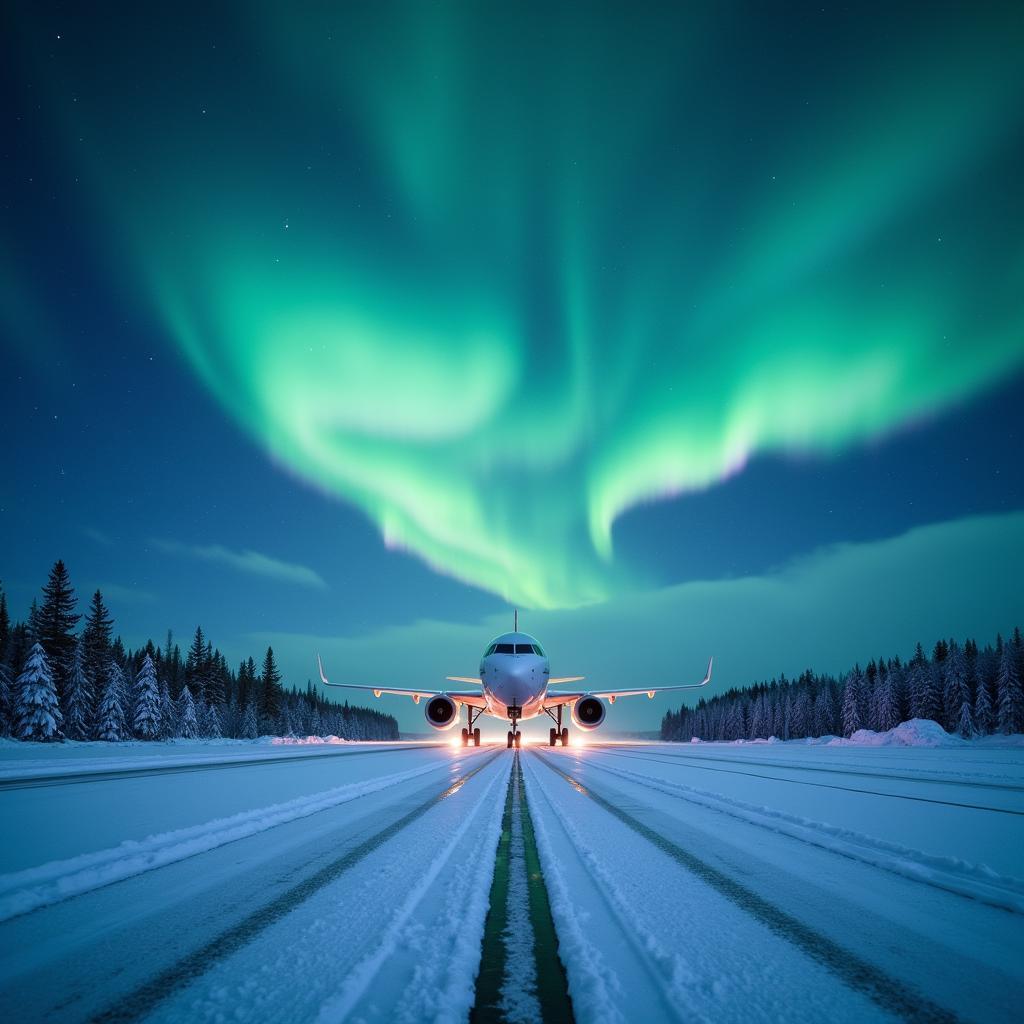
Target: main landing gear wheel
x=476 y=737
x=565 y=738
x=552 y=737
x=519 y=740
x=510 y=741
x=465 y=737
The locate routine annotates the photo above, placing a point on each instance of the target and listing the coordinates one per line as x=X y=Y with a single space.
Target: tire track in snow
x=794 y=766
x=114 y=775
x=823 y=785
x=441 y=979
x=887 y=992
x=961 y=878
x=23 y=891
x=594 y=983
x=144 y=999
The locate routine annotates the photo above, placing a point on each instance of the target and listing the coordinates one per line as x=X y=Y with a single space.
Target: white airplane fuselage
x=514 y=674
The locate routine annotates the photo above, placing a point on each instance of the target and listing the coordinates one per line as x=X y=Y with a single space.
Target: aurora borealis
x=495 y=275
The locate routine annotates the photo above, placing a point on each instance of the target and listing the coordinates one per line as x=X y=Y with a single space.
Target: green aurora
x=496 y=275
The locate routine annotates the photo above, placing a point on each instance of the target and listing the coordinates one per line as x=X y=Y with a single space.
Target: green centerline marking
x=891 y=994
x=551 y=986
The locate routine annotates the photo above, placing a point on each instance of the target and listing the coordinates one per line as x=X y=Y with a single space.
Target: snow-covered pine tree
x=954 y=680
x=168 y=713
x=800 y=723
x=316 y=726
x=211 y=722
x=249 y=730
x=110 y=716
x=147 y=702
x=188 y=727
x=824 y=712
x=853 y=701
x=79 y=699
x=984 y=718
x=1009 y=698
x=37 y=711
x=886 y=713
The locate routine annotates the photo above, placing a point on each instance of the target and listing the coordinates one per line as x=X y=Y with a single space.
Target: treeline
x=966 y=690
x=56 y=683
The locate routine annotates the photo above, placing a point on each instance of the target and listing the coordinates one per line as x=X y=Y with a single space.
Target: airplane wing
x=570 y=697
x=464 y=679
x=474 y=698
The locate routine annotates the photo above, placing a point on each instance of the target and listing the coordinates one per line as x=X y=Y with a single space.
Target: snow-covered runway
x=698 y=882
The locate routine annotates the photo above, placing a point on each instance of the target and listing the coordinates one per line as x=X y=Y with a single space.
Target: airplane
x=513 y=685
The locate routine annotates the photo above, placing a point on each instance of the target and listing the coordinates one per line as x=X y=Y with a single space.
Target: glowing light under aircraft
x=506 y=277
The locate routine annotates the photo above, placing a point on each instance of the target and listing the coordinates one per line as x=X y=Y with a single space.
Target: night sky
x=351 y=326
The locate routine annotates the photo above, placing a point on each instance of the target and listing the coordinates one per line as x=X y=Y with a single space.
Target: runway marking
x=512 y=927
x=818 y=785
x=138 y=1003
x=887 y=992
x=74 y=778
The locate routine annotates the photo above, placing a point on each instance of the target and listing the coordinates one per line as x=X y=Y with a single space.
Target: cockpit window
x=524 y=648
x=504 y=648
x=490 y=650
x=537 y=650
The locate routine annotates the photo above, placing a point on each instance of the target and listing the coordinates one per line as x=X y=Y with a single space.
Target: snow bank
x=291 y=740
x=918 y=732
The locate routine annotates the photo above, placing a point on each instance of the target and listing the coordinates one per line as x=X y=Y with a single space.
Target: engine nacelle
x=441 y=712
x=588 y=713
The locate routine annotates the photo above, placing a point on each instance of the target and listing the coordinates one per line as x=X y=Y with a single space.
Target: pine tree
x=110 y=716
x=168 y=717
x=270 y=688
x=1009 y=698
x=954 y=683
x=146 y=723
x=5 y=627
x=188 y=727
x=316 y=726
x=56 y=622
x=195 y=664
x=824 y=712
x=6 y=701
x=37 y=710
x=79 y=700
x=211 y=722
x=886 y=711
x=96 y=635
x=853 y=702
x=250 y=730
x=984 y=719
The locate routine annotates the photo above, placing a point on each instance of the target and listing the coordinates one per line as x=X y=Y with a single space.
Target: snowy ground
x=717 y=882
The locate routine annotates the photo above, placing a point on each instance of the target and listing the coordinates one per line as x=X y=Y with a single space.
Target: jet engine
x=588 y=713
x=441 y=712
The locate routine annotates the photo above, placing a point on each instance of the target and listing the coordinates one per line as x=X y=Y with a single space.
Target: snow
x=331 y=881
x=918 y=732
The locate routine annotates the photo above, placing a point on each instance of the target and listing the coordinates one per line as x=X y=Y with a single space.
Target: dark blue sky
x=801 y=349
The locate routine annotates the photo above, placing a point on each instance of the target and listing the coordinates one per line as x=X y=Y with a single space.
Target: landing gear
x=471 y=736
x=510 y=738
x=558 y=733
x=518 y=740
